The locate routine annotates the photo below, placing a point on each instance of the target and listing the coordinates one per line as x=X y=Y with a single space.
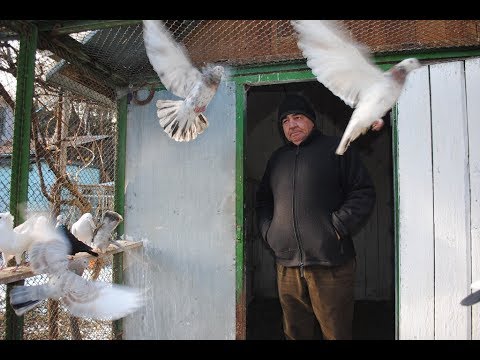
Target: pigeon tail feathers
x=179 y=122
x=350 y=134
x=24 y=298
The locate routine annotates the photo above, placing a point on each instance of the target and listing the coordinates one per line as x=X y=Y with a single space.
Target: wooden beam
x=71 y=50
x=62 y=27
x=23 y=272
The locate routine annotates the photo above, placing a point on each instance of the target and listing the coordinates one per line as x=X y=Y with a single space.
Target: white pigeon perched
x=88 y=299
x=345 y=68
x=102 y=236
x=83 y=228
x=183 y=119
x=15 y=241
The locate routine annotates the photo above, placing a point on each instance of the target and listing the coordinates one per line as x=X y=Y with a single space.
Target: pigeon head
x=214 y=74
x=409 y=64
x=401 y=70
x=112 y=216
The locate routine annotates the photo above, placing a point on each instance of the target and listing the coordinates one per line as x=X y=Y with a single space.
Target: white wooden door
x=438 y=195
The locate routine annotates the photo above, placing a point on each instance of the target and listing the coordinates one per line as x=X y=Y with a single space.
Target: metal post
x=120 y=198
x=21 y=152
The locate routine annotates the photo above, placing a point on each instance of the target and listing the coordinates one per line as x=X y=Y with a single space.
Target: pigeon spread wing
x=84 y=298
x=99 y=300
x=169 y=59
x=339 y=63
x=48 y=253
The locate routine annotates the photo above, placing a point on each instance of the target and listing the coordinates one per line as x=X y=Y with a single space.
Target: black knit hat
x=295 y=104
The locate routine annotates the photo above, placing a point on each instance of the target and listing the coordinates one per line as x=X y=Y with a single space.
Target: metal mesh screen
x=248 y=42
x=8 y=83
x=7 y=105
x=116 y=56
x=71 y=166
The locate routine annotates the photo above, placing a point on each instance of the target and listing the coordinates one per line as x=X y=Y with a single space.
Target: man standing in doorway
x=309 y=204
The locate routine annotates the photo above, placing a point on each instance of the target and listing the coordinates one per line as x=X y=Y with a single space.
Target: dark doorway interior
x=374 y=292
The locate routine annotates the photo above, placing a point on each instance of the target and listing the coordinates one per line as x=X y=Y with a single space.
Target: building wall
x=438 y=201
x=36 y=201
x=180 y=199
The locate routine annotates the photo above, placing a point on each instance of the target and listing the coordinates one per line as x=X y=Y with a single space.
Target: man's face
x=296 y=127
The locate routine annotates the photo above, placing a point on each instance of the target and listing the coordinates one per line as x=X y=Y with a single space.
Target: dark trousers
x=319 y=304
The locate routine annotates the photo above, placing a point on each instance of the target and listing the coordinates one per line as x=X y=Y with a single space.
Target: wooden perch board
x=23 y=272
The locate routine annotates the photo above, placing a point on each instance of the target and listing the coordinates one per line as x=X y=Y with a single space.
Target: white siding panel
x=416 y=250
x=180 y=198
x=451 y=199
x=472 y=72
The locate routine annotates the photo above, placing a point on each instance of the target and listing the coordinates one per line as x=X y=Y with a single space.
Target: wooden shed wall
x=180 y=199
x=438 y=183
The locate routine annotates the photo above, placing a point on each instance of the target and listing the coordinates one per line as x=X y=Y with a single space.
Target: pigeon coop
x=79 y=133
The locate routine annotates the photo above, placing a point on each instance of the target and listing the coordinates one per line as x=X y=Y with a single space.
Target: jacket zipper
x=297 y=237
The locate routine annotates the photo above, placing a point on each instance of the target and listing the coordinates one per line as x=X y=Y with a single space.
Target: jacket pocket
x=265 y=228
x=335 y=232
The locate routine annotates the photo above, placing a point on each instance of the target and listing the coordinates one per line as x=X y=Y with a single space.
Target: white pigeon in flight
x=183 y=119
x=345 y=68
x=83 y=228
x=89 y=299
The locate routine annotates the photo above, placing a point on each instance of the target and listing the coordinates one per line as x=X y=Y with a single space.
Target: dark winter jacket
x=306 y=193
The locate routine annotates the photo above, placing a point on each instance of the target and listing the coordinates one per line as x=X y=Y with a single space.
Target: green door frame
x=263 y=77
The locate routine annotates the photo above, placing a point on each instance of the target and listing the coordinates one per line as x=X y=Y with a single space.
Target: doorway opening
x=374 y=316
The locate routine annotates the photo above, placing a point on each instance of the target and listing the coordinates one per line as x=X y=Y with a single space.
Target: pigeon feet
x=377 y=125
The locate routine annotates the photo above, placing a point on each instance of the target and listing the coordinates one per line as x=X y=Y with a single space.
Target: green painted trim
x=396 y=197
x=21 y=153
x=23 y=117
x=239 y=213
x=275 y=78
x=119 y=207
x=264 y=69
x=385 y=59
x=429 y=55
x=122 y=107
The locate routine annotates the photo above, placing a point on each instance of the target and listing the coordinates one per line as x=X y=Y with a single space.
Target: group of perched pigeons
x=51 y=250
